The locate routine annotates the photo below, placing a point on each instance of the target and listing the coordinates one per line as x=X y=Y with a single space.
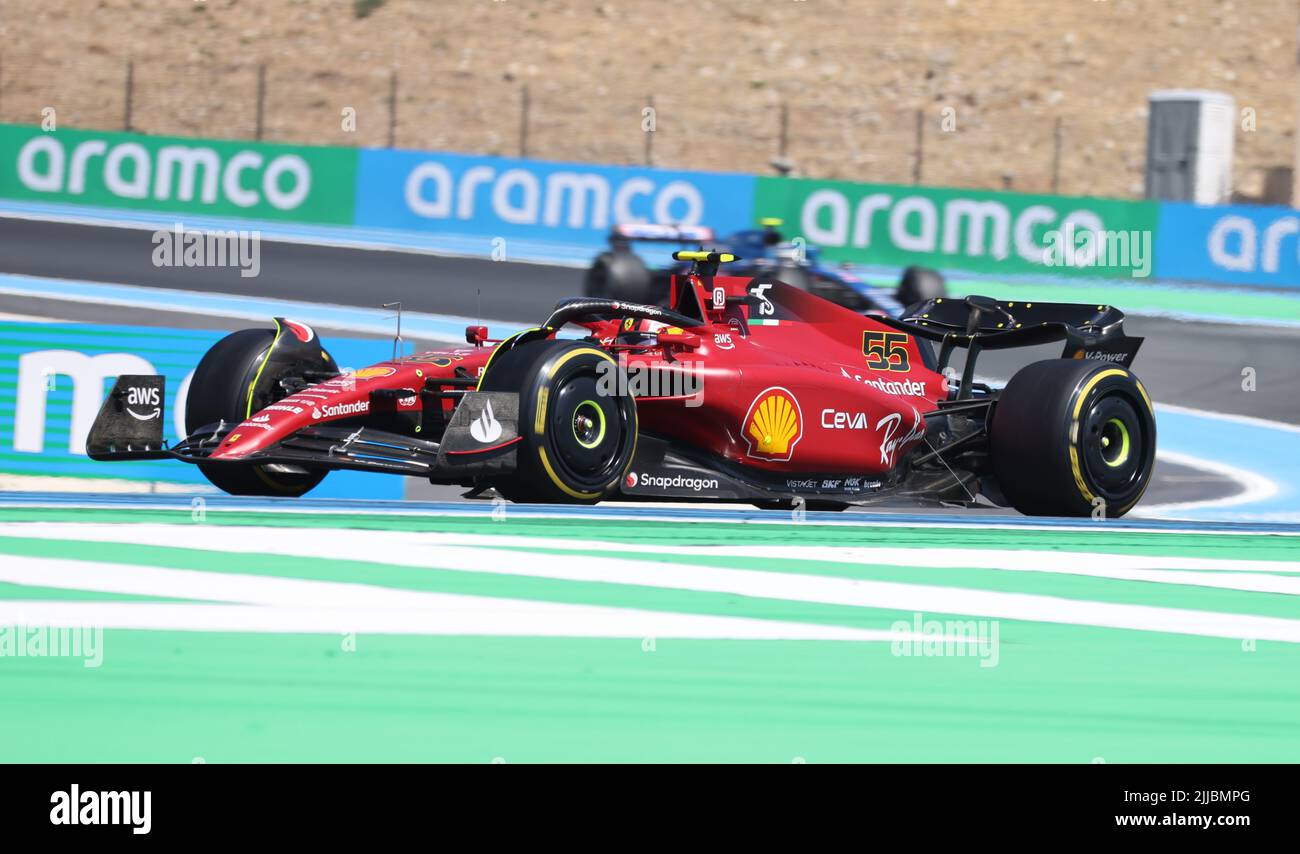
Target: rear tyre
x=919 y=284
x=219 y=391
x=620 y=275
x=578 y=437
x=1073 y=437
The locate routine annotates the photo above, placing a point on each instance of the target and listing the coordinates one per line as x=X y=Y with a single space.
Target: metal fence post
x=650 y=131
x=523 y=123
x=261 y=100
x=392 y=109
x=130 y=89
x=920 y=147
x=783 y=143
x=1056 y=157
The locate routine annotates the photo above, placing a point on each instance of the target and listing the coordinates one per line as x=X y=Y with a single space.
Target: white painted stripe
x=420 y=325
x=1258 y=576
x=922 y=556
x=1118 y=566
x=288 y=605
x=1255 y=487
x=407 y=549
x=459 y=619
x=12 y=482
x=709 y=513
x=30 y=318
x=1234 y=419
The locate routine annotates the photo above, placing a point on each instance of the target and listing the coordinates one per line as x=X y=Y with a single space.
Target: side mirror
x=476 y=335
x=688 y=340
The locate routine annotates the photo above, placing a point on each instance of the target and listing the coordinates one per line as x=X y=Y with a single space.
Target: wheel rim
x=1113 y=445
x=587 y=430
x=588 y=424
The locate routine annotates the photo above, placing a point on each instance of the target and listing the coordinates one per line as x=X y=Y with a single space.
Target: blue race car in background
x=620 y=273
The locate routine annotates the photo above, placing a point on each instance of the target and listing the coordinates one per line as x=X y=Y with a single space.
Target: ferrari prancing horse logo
x=773 y=425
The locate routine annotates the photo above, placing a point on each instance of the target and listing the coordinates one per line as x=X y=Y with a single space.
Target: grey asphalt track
x=1193 y=364
x=324 y=274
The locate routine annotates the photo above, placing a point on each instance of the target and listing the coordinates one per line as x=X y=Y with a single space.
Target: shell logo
x=773 y=425
x=373 y=373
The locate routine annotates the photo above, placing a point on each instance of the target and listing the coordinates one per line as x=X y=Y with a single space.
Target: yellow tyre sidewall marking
x=248 y=408
x=498 y=349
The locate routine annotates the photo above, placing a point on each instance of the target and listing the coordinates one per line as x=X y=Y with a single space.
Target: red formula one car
x=741 y=389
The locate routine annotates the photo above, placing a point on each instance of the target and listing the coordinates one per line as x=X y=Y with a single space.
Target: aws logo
x=773 y=425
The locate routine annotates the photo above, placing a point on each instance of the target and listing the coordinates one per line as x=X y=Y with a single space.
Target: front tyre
x=229 y=385
x=621 y=275
x=577 y=425
x=1073 y=437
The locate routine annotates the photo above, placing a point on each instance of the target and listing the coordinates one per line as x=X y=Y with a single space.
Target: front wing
x=121 y=432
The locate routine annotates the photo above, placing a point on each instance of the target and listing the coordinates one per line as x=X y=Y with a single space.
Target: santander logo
x=486 y=428
x=359 y=407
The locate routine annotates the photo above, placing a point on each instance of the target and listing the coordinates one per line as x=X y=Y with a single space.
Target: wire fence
x=881 y=140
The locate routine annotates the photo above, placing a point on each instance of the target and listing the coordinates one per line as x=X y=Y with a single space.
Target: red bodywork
x=791 y=383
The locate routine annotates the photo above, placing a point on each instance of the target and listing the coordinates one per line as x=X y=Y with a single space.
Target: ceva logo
x=917 y=224
x=181 y=172
x=558 y=199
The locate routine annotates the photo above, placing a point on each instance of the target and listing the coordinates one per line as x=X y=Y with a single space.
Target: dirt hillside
x=853 y=74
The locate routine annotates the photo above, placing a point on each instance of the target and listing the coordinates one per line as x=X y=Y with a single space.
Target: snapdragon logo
x=561 y=199
x=184 y=173
x=75 y=807
x=677 y=481
x=189 y=247
x=1129 y=250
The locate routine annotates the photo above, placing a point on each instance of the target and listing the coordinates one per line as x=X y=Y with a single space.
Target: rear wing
x=647 y=232
x=982 y=323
